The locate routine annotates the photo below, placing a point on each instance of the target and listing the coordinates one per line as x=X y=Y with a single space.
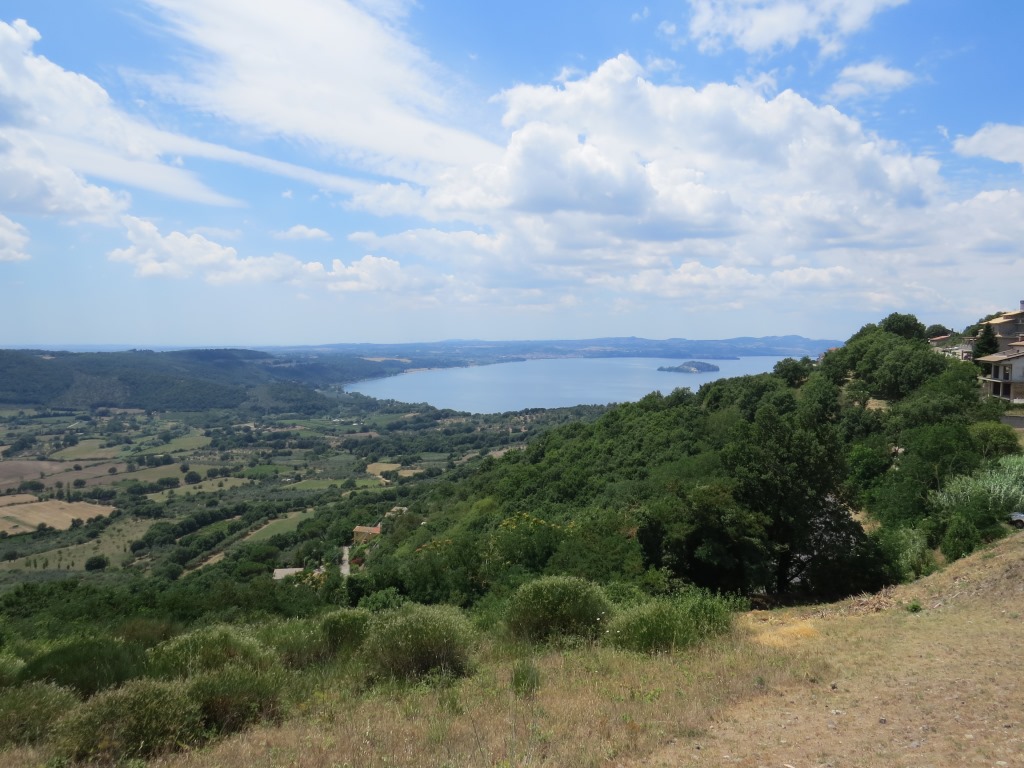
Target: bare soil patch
x=15 y=471
x=925 y=674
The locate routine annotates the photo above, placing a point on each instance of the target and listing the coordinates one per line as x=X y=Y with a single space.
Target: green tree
x=907 y=326
x=986 y=343
x=97 y=563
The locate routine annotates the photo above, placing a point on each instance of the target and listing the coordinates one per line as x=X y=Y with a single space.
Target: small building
x=1008 y=328
x=363 y=533
x=1005 y=378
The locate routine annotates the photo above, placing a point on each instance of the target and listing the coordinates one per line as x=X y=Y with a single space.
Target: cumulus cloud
x=302 y=232
x=871 y=79
x=996 y=141
x=13 y=240
x=760 y=26
x=614 y=188
x=177 y=255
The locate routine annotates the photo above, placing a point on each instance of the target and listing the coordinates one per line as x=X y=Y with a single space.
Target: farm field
x=18 y=498
x=207 y=486
x=112 y=543
x=23 y=518
x=88 y=449
x=281 y=525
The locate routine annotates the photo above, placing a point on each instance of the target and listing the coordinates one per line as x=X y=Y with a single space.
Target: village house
x=1005 y=378
x=1008 y=328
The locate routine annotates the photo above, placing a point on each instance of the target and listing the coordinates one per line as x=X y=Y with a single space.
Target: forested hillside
x=748 y=485
x=186 y=380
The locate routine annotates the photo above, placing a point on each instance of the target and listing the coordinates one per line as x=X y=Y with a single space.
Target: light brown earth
x=940 y=687
x=23 y=518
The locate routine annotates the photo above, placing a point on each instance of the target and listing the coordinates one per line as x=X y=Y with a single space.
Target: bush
x=299 y=643
x=208 y=649
x=345 y=629
x=234 y=696
x=138 y=720
x=97 y=563
x=557 y=606
x=28 y=712
x=416 y=640
x=87 y=665
x=666 y=624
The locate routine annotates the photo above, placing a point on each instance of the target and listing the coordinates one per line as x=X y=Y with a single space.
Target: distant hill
x=481 y=351
x=198 y=379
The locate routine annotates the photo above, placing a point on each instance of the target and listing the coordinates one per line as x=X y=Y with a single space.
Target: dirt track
x=940 y=687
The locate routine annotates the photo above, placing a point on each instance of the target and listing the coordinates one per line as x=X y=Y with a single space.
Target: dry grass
x=18 y=498
x=56 y=514
x=864 y=682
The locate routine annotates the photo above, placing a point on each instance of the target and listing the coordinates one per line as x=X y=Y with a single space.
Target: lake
x=549 y=383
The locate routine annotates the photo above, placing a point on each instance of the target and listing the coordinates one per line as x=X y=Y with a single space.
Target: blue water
x=549 y=383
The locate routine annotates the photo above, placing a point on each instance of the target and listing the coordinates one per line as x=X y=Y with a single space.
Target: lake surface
x=549 y=383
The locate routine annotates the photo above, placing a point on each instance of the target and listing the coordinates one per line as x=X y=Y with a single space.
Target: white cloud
x=178 y=255
x=759 y=26
x=870 y=79
x=612 y=187
x=59 y=128
x=31 y=181
x=997 y=141
x=368 y=274
x=13 y=241
x=369 y=96
x=302 y=232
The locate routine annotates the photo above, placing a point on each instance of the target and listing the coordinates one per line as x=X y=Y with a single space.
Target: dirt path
x=939 y=687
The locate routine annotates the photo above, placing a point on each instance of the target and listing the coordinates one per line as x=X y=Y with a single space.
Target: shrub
x=234 y=696
x=87 y=665
x=557 y=606
x=961 y=538
x=28 y=712
x=416 y=640
x=208 y=649
x=10 y=666
x=667 y=624
x=299 y=642
x=140 y=719
x=383 y=600
x=97 y=563
x=345 y=629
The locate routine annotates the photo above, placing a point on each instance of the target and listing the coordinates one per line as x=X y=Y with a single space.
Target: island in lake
x=690 y=366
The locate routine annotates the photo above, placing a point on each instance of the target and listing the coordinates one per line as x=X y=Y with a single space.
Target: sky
x=254 y=173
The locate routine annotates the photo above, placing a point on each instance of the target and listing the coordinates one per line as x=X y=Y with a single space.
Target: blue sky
x=252 y=172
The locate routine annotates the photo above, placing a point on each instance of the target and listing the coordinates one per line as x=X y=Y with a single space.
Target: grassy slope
x=864 y=682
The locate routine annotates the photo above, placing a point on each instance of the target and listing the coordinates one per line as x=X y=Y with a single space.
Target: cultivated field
x=23 y=518
x=18 y=498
